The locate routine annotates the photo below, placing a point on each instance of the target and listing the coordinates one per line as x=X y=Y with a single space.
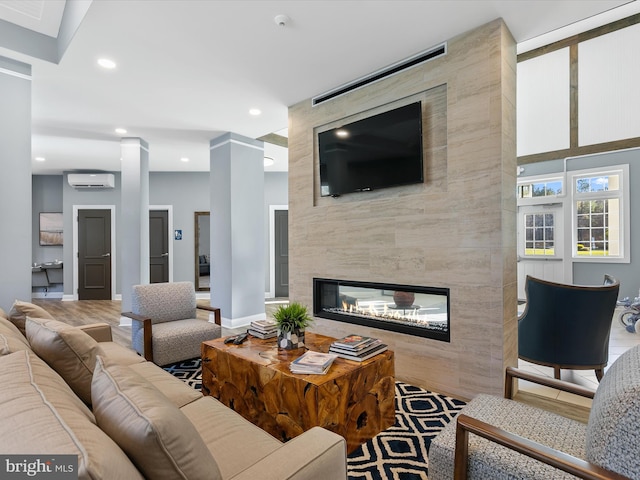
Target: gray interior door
x=282 y=253
x=94 y=255
x=158 y=246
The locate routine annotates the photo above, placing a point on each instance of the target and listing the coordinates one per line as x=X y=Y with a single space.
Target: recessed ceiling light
x=255 y=112
x=184 y=159
x=40 y=159
x=106 y=63
x=268 y=161
x=121 y=130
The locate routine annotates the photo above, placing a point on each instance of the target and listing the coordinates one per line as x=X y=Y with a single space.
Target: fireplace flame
x=384 y=312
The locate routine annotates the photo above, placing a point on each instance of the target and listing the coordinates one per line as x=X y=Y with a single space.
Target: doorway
x=540 y=244
x=280 y=252
x=158 y=246
x=94 y=272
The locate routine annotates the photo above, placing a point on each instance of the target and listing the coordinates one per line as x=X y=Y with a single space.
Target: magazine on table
x=261 y=335
x=363 y=356
x=354 y=342
x=367 y=348
x=312 y=362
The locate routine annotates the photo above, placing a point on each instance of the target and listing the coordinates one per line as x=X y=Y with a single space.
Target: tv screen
x=384 y=150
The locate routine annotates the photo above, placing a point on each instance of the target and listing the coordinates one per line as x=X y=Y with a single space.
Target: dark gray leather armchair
x=567 y=326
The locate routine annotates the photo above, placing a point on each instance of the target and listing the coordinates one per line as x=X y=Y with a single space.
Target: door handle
x=106 y=255
x=165 y=254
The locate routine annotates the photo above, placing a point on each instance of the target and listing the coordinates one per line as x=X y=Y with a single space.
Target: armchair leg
x=556 y=373
x=599 y=373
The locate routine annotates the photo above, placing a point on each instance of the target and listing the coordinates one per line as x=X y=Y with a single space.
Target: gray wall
x=187 y=192
x=276 y=192
x=72 y=196
x=592 y=273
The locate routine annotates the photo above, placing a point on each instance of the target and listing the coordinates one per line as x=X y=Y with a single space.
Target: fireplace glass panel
x=414 y=310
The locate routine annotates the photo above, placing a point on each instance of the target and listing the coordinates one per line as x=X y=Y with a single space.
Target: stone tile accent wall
x=456 y=230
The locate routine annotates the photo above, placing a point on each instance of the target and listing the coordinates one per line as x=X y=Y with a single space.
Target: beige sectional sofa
x=71 y=390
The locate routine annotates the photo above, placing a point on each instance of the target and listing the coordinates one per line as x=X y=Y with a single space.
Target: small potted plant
x=291 y=321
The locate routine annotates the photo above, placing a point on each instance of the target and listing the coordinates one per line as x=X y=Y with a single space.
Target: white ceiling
x=190 y=70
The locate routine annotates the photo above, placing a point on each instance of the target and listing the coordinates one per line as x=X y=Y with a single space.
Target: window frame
x=526 y=201
x=622 y=194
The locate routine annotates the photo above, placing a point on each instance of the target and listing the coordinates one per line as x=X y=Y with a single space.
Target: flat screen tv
x=380 y=151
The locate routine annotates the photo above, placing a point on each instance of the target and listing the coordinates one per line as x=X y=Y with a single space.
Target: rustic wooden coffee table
x=355 y=400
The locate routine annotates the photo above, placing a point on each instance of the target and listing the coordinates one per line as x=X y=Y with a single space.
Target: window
x=546 y=188
x=600 y=218
x=539 y=234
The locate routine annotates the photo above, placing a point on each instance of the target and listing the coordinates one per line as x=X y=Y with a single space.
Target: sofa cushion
x=177 y=391
x=223 y=430
x=21 y=310
x=156 y=435
x=613 y=438
x=39 y=414
x=68 y=350
x=116 y=353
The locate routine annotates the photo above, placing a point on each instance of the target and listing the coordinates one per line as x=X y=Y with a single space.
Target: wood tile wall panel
x=455 y=230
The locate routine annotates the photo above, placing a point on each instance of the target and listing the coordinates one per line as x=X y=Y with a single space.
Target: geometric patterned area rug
x=398 y=453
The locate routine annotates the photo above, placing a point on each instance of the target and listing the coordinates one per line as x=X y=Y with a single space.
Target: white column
x=134 y=216
x=15 y=182
x=237 y=228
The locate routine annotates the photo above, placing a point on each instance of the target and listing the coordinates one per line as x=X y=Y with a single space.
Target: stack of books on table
x=312 y=363
x=263 y=329
x=357 y=347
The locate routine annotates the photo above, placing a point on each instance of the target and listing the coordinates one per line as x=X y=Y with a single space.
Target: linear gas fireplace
x=413 y=310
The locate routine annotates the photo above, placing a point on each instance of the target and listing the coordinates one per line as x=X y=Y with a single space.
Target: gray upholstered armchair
x=511 y=440
x=165 y=328
x=567 y=326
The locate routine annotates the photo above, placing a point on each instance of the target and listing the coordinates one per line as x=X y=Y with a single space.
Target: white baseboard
x=68 y=297
x=47 y=295
x=241 y=321
x=125 y=321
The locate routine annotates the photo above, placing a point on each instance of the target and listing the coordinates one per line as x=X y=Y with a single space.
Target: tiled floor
x=619 y=342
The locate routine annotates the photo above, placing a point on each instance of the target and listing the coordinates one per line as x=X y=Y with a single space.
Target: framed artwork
x=51 y=229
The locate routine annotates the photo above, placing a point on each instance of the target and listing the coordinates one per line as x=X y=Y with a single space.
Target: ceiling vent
x=418 y=59
x=91 y=180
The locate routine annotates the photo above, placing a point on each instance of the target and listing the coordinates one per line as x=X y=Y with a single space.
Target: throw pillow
x=17 y=341
x=159 y=439
x=39 y=414
x=21 y=310
x=68 y=350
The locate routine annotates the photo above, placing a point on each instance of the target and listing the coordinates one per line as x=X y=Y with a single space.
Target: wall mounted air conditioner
x=91 y=180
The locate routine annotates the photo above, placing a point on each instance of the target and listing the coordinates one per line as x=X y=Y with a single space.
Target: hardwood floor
x=83 y=312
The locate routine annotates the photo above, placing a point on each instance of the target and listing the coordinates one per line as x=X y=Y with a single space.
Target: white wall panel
x=608 y=87
x=543 y=103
